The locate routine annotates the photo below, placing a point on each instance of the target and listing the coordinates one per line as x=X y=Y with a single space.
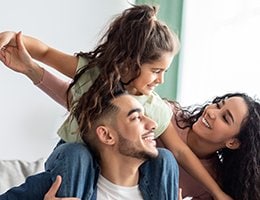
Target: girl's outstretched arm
x=64 y=63
x=189 y=161
x=18 y=59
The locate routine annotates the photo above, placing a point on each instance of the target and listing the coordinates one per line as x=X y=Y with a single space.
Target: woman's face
x=221 y=122
x=152 y=74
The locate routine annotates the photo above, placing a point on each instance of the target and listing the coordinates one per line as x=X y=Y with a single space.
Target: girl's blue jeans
x=79 y=170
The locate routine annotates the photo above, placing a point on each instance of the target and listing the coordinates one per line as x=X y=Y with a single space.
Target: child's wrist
x=35 y=73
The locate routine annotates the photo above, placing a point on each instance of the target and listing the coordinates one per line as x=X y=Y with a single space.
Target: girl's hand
x=18 y=59
x=7 y=38
x=50 y=195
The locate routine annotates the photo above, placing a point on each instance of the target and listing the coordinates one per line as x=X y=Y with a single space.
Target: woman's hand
x=17 y=58
x=50 y=195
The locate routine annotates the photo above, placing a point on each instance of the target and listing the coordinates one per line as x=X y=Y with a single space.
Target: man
x=121 y=137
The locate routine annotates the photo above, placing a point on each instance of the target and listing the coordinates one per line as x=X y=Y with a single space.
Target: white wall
x=220 y=49
x=29 y=119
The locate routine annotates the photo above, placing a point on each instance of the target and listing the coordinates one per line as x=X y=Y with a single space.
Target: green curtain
x=170 y=12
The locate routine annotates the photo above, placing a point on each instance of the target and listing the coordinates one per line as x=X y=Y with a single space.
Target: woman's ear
x=233 y=143
x=104 y=135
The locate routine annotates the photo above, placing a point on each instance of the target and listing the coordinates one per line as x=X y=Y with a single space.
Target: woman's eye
x=225 y=118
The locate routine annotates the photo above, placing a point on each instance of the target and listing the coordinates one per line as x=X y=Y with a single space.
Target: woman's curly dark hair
x=238 y=170
x=135 y=37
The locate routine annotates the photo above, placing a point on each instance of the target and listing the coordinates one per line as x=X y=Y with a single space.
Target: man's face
x=135 y=131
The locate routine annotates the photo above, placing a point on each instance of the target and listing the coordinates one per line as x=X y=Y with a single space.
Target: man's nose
x=151 y=124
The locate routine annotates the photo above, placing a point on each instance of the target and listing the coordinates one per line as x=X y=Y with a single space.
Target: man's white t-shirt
x=107 y=190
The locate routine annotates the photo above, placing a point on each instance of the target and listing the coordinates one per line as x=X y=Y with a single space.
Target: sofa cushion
x=14 y=172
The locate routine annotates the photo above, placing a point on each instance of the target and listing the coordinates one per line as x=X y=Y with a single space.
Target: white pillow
x=14 y=172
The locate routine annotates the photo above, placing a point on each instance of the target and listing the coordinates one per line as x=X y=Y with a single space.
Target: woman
x=225 y=136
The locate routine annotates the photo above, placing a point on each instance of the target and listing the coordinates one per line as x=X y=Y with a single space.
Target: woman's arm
x=64 y=63
x=54 y=87
x=187 y=159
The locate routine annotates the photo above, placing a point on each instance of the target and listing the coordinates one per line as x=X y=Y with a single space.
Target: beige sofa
x=14 y=172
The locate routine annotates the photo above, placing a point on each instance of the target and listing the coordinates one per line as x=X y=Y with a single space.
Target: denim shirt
x=158 y=179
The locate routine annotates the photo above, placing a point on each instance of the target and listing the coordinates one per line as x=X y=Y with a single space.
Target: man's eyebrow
x=134 y=110
x=228 y=112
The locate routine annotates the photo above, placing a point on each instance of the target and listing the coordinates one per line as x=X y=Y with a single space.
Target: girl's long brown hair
x=135 y=37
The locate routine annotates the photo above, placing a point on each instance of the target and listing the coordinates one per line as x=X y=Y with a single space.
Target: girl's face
x=220 y=122
x=152 y=74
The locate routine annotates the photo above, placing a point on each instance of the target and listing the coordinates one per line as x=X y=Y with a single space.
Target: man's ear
x=233 y=143
x=104 y=135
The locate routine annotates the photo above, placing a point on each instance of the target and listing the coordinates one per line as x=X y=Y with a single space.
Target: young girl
x=133 y=55
x=225 y=135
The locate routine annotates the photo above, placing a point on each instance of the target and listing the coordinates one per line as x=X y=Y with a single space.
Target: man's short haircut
x=106 y=115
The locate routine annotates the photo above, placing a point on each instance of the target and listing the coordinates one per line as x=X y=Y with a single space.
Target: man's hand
x=50 y=195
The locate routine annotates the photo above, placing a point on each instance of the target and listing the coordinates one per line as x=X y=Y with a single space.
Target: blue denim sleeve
x=34 y=188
